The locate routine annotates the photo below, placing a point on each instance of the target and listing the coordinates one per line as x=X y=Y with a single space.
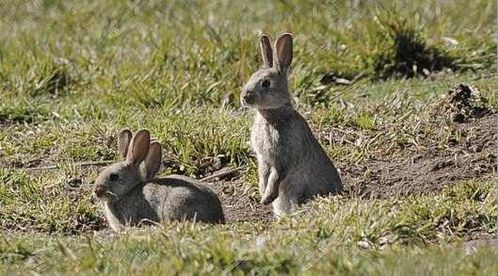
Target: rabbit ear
x=153 y=160
x=123 y=142
x=266 y=51
x=283 y=49
x=139 y=147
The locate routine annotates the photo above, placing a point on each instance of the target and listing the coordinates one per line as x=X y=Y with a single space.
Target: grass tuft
x=407 y=54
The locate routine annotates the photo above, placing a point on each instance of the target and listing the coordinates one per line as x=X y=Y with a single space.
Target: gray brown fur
x=292 y=166
x=137 y=197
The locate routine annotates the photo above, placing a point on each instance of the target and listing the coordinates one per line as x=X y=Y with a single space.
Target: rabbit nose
x=248 y=96
x=99 y=191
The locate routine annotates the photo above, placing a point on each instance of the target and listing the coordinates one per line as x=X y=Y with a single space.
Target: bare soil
x=240 y=203
x=430 y=170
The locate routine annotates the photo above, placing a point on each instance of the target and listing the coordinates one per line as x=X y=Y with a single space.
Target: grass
x=73 y=74
x=329 y=235
x=161 y=252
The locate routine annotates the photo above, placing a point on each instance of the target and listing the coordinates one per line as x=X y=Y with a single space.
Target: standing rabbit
x=292 y=166
x=131 y=194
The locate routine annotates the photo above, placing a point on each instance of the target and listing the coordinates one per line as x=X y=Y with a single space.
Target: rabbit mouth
x=104 y=195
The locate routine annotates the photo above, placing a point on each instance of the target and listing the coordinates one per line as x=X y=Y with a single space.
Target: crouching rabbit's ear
x=152 y=162
x=139 y=147
x=124 y=140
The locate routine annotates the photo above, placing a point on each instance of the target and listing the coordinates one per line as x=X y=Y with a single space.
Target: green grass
x=191 y=250
x=72 y=74
x=343 y=235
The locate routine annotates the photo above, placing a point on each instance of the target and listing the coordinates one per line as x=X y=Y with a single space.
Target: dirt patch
x=432 y=169
x=240 y=202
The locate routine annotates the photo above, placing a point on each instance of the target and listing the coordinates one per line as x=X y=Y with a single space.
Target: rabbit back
x=172 y=198
x=177 y=197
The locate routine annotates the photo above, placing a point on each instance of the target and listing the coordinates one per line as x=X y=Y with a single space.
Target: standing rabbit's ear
x=283 y=49
x=153 y=160
x=123 y=142
x=266 y=51
x=139 y=147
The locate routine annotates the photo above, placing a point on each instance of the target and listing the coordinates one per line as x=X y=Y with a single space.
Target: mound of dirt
x=462 y=103
x=430 y=170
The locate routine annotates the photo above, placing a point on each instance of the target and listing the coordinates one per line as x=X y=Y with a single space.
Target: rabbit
x=132 y=195
x=292 y=166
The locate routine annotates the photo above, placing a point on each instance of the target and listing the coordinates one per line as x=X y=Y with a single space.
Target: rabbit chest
x=268 y=139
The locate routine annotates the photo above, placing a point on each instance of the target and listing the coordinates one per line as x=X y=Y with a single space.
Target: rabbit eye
x=266 y=83
x=113 y=176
